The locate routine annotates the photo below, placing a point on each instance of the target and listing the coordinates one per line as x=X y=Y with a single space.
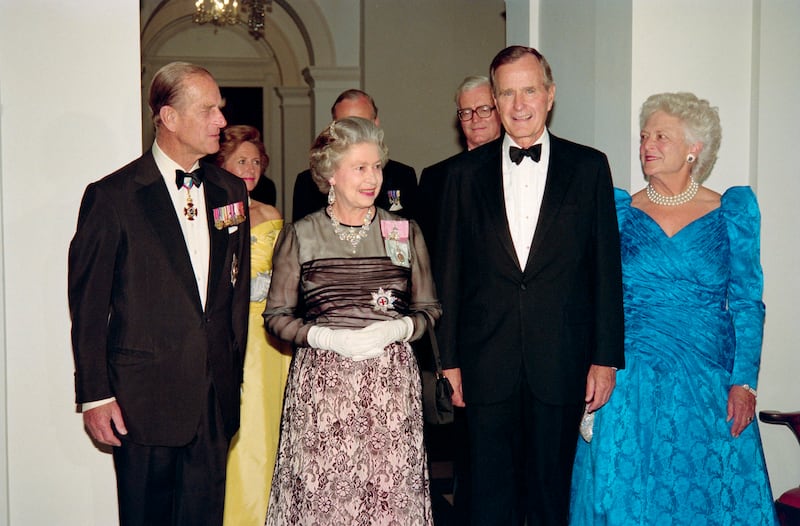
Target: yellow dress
x=252 y=455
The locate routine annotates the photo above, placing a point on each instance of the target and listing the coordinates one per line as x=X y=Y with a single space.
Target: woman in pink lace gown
x=351 y=287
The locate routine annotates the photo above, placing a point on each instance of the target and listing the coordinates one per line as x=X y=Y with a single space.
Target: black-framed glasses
x=466 y=114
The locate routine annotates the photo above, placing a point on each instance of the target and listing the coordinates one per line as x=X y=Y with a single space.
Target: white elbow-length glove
x=345 y=342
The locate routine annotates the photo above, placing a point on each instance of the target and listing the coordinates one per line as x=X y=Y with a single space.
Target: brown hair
x=233 y=137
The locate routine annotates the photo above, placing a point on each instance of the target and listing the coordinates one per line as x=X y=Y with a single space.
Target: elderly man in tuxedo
x=527 y=266
x=398 y=192
x=158 y=294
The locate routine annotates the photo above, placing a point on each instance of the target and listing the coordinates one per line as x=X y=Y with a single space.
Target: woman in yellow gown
x=252 y=455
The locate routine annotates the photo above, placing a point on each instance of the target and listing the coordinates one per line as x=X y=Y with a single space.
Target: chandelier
x=226 y=13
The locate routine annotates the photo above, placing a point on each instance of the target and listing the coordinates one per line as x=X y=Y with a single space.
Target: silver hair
x=700 y=124
x=334 y=142
x=472 y=82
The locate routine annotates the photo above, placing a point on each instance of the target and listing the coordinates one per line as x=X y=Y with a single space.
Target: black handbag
x=437 y=401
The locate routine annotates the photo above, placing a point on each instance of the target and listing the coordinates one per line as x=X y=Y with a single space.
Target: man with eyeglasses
x=480 y=124
x=476 y=112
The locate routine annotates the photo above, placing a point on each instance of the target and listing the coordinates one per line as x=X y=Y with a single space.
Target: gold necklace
x=351 y=235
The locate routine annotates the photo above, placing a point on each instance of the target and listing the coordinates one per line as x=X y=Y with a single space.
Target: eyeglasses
x=482 y=111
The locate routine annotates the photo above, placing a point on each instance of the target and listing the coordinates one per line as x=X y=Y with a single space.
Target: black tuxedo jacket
x=139 y=331
x=396 y=177
x=561 y=313
x=429 y=200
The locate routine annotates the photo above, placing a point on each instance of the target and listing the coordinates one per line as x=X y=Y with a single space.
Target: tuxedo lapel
x=153 y=198
x=558 y=180
x=216 y=196
x=490 y=195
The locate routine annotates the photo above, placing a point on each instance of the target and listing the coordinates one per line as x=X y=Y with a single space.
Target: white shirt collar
x=544 y=140
x=167 y=166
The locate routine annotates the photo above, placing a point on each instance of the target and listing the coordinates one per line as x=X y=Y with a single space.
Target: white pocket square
x=232 y=229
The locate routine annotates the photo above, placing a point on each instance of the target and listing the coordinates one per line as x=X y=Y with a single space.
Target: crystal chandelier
x=226 y=13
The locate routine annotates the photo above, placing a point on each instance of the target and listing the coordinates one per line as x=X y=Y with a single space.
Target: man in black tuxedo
x=158 y=290
x=399 y=188
x=527 y=266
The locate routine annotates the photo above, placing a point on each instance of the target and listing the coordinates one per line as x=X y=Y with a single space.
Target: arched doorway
x=275 y=68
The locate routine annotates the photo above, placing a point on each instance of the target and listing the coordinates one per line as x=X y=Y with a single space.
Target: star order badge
x=383 y=300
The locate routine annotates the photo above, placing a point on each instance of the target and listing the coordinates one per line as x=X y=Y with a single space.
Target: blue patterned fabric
x=662 y=452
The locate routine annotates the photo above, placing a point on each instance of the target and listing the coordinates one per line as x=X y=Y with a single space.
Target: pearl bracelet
x=750 y=390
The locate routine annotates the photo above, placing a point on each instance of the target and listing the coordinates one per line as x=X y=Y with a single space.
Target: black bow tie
x=196 y=177
x=534 y=152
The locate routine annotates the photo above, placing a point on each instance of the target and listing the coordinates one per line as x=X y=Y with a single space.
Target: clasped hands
x=361 y=344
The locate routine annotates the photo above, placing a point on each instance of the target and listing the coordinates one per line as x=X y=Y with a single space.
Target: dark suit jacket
x=265 y=191
x=429 y=199
x=396 y=177
x=559 y=315
x=139 y=331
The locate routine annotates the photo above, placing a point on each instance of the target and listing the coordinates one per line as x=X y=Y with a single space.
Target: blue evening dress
x=662 y=452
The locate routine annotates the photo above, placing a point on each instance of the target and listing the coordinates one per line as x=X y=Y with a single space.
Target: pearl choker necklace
x=351 y=234
x=673 y=200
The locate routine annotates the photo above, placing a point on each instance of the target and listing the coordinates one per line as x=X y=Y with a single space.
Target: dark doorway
x=244 y=106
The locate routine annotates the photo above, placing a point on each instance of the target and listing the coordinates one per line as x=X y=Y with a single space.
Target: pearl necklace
x=351 y=234
x=673 y=200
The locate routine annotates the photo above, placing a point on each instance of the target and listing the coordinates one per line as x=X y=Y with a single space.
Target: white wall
x=705 y=49
x=589 y=51
x=340 y=16
x=416 y=53
x=69 y=92
x=777 y=176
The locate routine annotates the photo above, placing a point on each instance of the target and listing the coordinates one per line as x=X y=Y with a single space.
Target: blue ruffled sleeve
x=622 y=200
x=746 y=281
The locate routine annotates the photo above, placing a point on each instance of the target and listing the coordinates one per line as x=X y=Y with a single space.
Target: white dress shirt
x=523 y=189
x=195 y=233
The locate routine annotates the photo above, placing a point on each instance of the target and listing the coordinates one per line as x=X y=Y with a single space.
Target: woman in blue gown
x=676 y=444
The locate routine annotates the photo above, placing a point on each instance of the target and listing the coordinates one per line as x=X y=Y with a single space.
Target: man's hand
x=98 y=422
x=454 y=376
x=600 y=383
